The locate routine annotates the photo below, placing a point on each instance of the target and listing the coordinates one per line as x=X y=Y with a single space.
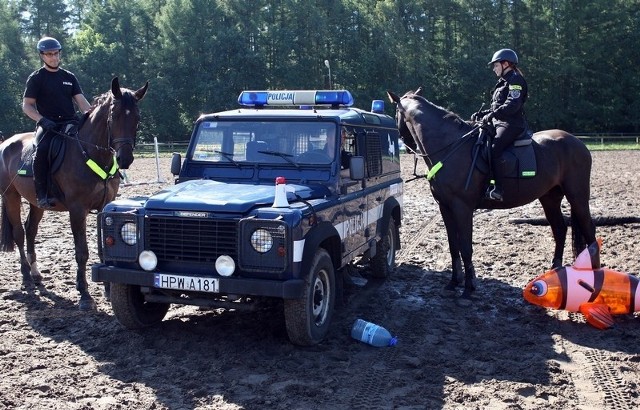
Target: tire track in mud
x=370 y=395
x=596 y=374
x=425 y=230
x=608 y=379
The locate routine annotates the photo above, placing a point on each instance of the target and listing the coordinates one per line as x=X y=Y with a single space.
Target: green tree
x=14 y=64
x=44 y=18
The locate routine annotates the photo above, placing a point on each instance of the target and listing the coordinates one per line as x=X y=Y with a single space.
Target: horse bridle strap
x=457 y=144
x=98 y=170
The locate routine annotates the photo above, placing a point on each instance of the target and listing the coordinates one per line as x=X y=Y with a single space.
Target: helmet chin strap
x=504 y=71
x=51 y=67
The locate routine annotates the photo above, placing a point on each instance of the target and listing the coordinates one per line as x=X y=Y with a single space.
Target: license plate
x=188 y=283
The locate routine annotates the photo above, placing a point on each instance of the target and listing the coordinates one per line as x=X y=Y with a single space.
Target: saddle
x=519 y=157
x=57 y=148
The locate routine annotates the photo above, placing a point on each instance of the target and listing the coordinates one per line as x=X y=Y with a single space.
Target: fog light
x=109 y=241
x=225 y=266
x=147 y=260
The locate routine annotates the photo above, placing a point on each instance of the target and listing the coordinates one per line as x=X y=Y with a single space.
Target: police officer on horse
x=506 y=114
x=48 y=99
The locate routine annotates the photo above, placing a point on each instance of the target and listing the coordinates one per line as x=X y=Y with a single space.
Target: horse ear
x=418 y=91
x=393 y=97
x=115 y=88
x=139 y=94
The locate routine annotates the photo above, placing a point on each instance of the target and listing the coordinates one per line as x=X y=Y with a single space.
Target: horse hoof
x=451 y=286
x=466 y=294
x=27 y=285
x=87 y=305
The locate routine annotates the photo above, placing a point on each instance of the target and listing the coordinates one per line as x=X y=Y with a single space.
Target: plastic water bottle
x=372 y=334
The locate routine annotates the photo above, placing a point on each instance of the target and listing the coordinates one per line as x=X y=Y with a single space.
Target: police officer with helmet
x=49 y=99
x=506 y=114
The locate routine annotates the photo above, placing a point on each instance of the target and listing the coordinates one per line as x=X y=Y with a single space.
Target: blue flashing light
x=296 y=98
x=377 y=106
x=331 y=97
x=253 y=98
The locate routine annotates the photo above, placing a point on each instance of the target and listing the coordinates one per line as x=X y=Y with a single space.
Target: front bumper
x=288 y=289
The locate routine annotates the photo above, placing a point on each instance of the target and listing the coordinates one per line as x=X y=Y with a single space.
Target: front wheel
x=308 y=318
x=131 y=310
x=383 y=263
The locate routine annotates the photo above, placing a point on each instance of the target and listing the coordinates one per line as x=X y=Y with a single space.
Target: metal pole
x=326 y=63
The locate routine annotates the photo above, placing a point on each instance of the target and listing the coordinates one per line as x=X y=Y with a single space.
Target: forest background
x=580 y=57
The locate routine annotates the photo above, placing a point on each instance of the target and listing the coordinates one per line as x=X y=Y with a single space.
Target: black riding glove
x=477 y=116
x=487 y=118
x=46 y=124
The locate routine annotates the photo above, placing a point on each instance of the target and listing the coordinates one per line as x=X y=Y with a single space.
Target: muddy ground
x=499 y=353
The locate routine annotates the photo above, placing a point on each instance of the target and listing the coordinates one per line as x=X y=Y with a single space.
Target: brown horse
x=86 y=179
x=444 y=140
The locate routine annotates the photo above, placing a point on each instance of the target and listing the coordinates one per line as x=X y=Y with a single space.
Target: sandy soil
x=499 y=353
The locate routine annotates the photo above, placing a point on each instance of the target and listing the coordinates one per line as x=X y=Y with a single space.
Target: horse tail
x=577 y=236
x=6 y=231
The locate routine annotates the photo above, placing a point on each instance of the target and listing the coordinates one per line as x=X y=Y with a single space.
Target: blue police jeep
x=273 y=200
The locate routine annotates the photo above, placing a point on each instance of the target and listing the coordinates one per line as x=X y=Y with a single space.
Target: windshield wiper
x=229 y=157
x=282 y=155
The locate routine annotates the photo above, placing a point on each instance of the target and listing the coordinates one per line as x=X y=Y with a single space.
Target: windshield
x=265 y=142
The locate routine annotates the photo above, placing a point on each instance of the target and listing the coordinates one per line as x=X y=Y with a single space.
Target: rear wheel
x=308 y=318
x=131 y=310
x=383 y=263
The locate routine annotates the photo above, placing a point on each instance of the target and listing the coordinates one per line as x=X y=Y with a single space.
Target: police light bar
x=297 y=98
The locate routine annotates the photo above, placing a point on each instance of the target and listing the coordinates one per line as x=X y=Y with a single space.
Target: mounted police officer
x=48 y=99
x=506 y=114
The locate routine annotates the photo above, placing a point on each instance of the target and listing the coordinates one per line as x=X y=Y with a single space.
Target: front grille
x=191 y=240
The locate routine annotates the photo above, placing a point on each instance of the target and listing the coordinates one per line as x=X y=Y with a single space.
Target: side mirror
x=176 y=163
x=356 y=168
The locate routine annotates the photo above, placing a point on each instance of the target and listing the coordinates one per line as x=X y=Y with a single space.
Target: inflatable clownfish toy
x=586 y=288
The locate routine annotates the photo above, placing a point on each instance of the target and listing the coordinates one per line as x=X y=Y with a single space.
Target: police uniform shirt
x=53 y=92
x=509 y=96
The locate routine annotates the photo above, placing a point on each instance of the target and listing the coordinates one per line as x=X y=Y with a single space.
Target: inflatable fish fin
x=597 y=315
x=589 y=258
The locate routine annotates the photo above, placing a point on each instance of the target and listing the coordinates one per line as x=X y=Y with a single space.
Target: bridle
x=117 y=143
x=449 y=149
x=112 y=144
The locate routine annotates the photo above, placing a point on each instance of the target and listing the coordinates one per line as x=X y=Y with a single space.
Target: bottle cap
x=393 y=341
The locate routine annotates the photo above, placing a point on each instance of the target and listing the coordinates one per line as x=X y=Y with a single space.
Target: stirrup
x=494 y=194
x=45 y=203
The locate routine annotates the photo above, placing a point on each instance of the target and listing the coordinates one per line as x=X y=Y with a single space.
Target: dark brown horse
x=446 y=143
x=86 y=179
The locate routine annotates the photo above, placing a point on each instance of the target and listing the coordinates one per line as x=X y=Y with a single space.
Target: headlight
x=261 y=240
x=129 y=233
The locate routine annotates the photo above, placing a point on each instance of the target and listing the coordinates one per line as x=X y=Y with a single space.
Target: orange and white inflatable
x=586 y=288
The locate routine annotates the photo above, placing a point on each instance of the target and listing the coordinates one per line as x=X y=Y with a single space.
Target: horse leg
x=464 y=220
x=78 y=219
x=31 y=228
x=452 y=239
x=551 y=203
x=583 y=230
x=13 y=233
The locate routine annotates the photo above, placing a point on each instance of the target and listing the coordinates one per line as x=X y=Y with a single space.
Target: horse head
x=122 y=123
x=424 y=123
x=403 y=123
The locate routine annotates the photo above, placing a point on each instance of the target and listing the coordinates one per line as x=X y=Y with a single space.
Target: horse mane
x=128 y=100
x=446 y=114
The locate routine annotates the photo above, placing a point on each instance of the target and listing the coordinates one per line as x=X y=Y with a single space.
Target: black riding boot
x=495 y=191
x=40 y=177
